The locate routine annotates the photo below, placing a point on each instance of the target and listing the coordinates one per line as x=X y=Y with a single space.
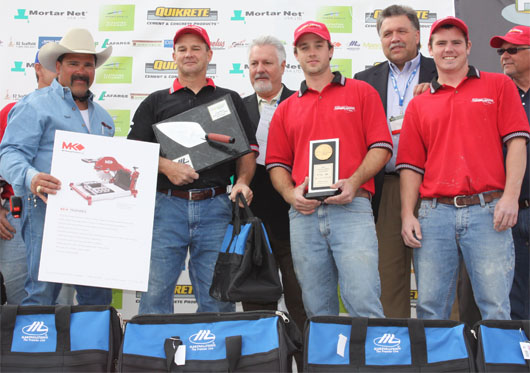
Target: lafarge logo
x=35 y=332
x=388 y=343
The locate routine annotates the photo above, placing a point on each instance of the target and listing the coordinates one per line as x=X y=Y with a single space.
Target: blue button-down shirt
x=27 y=146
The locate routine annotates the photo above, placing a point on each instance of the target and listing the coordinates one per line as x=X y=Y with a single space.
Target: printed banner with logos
x=141 y=34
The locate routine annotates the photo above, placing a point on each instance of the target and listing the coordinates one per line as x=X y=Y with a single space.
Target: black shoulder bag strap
x=418 y=343
x=359 y=328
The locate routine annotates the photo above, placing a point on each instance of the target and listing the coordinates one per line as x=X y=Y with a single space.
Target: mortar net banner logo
x=338 y=19
x=25 y=14
x=116 y=18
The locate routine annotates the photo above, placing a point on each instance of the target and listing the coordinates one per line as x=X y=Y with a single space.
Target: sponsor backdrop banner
x=141 y=34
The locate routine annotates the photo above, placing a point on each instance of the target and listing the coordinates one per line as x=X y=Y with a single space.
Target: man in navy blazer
x=266 y=66
x=395 y=79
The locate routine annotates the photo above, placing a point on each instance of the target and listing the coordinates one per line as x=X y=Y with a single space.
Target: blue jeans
x=13 y=264
x=181 y=224
x=520 y=294
x=40 y=292
x=449 y=232
x=337 y=244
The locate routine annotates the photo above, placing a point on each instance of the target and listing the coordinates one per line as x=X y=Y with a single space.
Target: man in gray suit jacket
x=395 y=79
x=266 y=65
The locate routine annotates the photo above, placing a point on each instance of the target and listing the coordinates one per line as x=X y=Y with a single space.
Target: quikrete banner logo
x=425 y=17
x=170 y=67
x=182 y=14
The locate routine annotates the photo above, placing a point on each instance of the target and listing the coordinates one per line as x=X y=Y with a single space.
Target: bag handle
x=62 y=324
x=237 y=214
x=359 y=328
x=526 y=328
x=418 y=342
x=8 y=316
x=170 y=348
x=233 y=351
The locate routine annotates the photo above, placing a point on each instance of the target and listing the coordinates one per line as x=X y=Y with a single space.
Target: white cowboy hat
x=76 y=40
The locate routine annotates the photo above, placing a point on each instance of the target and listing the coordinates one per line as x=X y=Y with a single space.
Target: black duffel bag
x=59 y=338
x=346 y=344
x=499 y=345
x=245 y=269
x=256 y=341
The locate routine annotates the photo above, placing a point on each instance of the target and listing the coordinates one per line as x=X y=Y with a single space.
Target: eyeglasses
x=512 y=50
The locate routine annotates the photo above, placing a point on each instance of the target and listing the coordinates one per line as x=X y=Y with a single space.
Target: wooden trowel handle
x=220 y=138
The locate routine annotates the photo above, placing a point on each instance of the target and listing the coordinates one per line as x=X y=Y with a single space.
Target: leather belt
x=195 y=195
x=462 y=201
x=363 y=193
x=524 y=203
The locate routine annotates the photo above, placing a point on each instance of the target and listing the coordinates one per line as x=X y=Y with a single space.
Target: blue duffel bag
x=345 y=344
x=59 y=338
x=257 y=341
x=499 y=348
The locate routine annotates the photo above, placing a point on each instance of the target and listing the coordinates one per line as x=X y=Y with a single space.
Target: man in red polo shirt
x=451 y=152
x=332 y=241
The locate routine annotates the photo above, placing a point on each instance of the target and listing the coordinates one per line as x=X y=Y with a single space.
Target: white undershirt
x=84 y=114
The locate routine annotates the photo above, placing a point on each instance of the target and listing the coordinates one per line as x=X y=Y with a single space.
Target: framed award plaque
x=323 y=168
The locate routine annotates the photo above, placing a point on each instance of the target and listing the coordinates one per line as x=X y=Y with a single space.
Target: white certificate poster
x=99 y=226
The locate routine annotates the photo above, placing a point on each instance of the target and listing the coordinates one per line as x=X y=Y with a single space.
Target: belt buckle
x=190 y=195
x=456 y=203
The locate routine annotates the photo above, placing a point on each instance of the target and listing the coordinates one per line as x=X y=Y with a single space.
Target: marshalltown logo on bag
x=388 y=343
x=202 y=340
x=35 y=332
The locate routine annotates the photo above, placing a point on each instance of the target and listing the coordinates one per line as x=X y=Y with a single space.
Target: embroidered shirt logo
x=486 y=101
x=349 y=109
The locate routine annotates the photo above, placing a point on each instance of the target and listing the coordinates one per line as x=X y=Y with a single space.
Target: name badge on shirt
x=396 y=123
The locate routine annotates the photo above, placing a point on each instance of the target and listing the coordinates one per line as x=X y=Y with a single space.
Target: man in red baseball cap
x=333 y=238
x=180 y=189
x=450 y=153
x=514 y=49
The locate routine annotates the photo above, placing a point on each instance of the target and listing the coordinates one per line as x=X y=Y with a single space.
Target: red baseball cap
x=518 y=35
x=192 y=29
x=457 y=22
x=312 y=27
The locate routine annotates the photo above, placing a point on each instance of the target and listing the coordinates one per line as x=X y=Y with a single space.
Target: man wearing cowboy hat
x=26 y=150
